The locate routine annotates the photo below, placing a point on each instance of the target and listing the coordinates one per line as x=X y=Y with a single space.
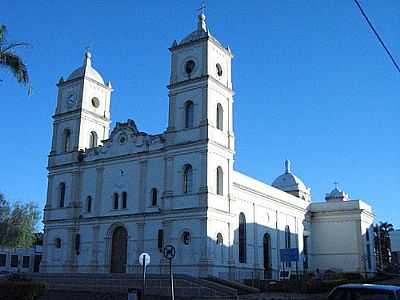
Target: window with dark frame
x=189 y=111
x=14 y=261
x=154 y=197
x=220 y=117
x=242 y=238
x=124 y=199
x=57 y=243
x=187 y=179
x=220 y=181
x=220 y=239
x=62 y=194
x=77 y=243
x=186 y=237
x=66 y=140
x=115 y=200
x=93 y=139
x=3 y=260
x=25 y=261
x=89 y=204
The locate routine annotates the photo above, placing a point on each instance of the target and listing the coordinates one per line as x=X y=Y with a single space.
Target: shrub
x=20 y=290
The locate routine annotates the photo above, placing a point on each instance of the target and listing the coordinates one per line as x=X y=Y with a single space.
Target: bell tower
x=82 y=115
x=200 y=89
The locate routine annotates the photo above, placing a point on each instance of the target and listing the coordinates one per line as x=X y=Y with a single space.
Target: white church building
x=113 y=195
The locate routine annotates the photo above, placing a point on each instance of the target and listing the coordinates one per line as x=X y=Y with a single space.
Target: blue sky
x=312 y=84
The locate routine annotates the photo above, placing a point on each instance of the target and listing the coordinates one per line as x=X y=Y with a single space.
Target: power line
x=378 y=37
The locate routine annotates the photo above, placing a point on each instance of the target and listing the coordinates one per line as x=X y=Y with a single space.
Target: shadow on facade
x=251 y=252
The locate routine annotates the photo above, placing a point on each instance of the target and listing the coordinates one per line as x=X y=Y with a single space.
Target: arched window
x=124 y=199
x=187 y=179
x=186 y=237
x=77 y=243
x=89 y=204
x=154 y=197
x=93 y=139
x=62 y=194
x=242 y=238
x=189 y=108
x=66 y=140
x=220 y=181
x=288 y=242
x=115 y=201
x=220 y=117
x=220 y=239
x=57 y=243
x=267 y=253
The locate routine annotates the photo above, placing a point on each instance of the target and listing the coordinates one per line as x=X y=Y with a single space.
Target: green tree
x=10 y=60
x=17 y=223
x=382 y=244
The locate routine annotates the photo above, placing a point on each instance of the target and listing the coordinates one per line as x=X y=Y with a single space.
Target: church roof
x=288 y=181
x=199 y=33
x=86 y=70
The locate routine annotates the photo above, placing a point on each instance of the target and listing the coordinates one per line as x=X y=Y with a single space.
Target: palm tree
x=10 y=60
x=382 y=243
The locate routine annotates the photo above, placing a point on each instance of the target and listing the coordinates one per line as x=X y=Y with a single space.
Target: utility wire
x=377 y=35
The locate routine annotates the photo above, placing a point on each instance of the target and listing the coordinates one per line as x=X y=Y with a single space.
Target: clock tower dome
x=82 y=116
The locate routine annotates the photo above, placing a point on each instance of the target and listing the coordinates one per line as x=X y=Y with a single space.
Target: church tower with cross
x=114 y=195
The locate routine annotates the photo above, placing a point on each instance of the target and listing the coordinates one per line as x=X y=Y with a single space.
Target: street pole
x=171 y=279
x=144 y=276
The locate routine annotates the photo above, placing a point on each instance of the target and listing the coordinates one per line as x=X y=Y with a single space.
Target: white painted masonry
x=135 y=184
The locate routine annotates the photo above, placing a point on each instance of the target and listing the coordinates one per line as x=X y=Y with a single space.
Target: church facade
x=113 y=195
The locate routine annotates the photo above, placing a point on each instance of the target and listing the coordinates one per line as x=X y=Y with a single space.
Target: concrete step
x=104 y=286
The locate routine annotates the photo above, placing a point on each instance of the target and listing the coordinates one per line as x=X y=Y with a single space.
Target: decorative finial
x=336 y=185
x=88 y=57
x=202 y=18
x=202 y=8
x=287 y=166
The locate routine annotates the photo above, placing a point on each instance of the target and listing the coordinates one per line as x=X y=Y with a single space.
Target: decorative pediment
x=123 y=130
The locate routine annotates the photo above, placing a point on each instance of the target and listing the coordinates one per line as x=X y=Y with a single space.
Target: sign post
x=144 y=261
x=169 y=253
x=289 y=255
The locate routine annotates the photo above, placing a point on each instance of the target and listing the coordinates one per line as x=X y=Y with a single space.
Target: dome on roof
x=337 y=195
x=86 y=70
x=290 y=183
x=199 y=33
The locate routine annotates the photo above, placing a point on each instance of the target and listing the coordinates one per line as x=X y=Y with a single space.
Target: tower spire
x=201 y=26
x=287 y=166
x=88 y=58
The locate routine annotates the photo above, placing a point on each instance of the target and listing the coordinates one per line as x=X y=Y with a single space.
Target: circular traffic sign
x=169 y=252
x=144 y=257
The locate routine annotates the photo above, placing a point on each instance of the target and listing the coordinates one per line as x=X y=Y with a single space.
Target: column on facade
x=49 y=200
x=142 y=185
x=171 y=116
x=99 y=190
x=75 y=193
x=139 y=241
x=95 y=248
x=168 y=181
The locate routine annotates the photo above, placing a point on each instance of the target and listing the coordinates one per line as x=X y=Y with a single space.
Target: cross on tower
x=202 y=8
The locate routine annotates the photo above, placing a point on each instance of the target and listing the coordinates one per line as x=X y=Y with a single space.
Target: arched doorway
x=267 y=256
x=119 y=250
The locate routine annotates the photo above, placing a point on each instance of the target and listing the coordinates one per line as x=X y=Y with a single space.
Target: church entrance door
x=119 y=250
x=267 y=256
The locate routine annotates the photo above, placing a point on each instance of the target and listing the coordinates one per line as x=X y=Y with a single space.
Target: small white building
x=112 y=196
x=20 y=259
